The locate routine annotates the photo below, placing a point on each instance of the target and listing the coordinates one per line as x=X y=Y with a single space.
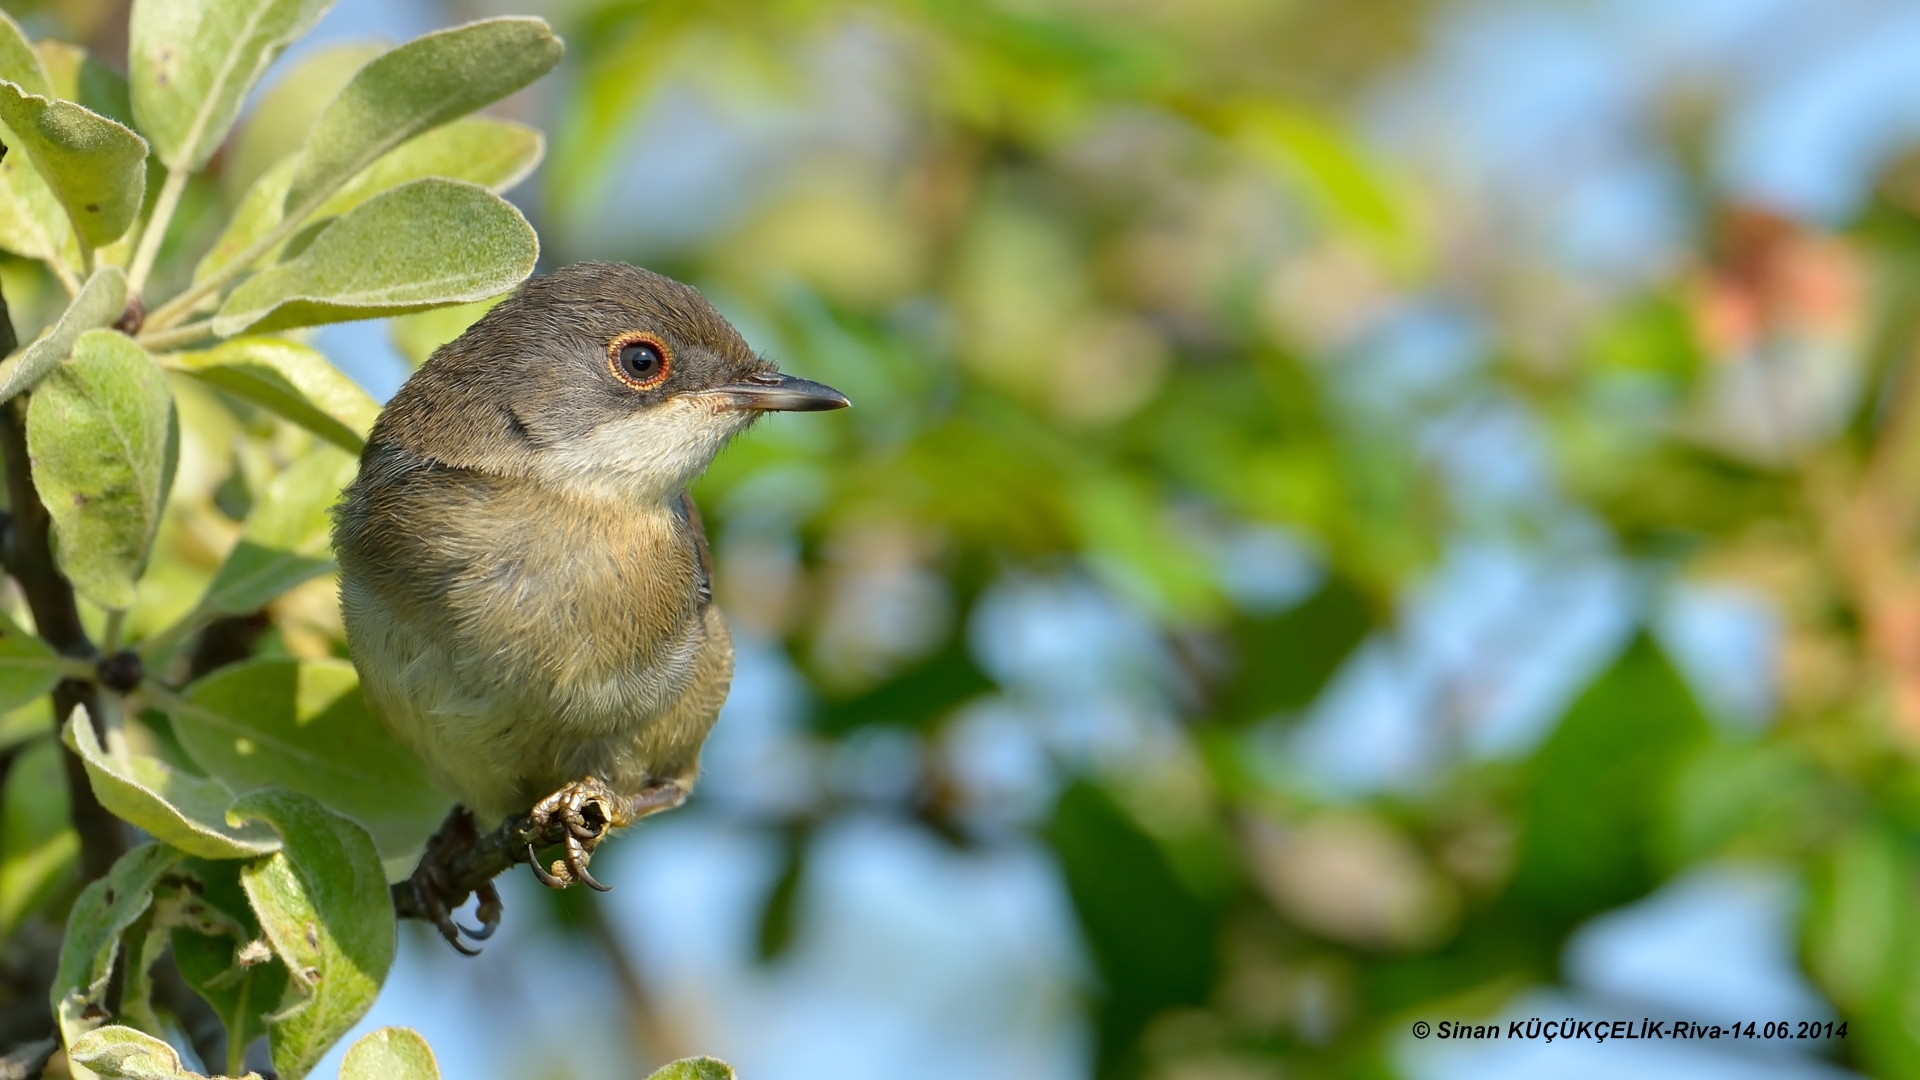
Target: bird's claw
x=589 y=810
x=430 y=886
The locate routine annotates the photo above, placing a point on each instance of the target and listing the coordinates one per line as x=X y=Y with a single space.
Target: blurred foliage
x=1102 y=279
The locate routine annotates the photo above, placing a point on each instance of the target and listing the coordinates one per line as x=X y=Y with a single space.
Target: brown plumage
x=524 y=578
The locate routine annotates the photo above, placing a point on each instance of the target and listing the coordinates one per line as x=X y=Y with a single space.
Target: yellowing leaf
x=291 y=380
x=391 y=1053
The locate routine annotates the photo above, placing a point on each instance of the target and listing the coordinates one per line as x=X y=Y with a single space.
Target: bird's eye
x=640 y=360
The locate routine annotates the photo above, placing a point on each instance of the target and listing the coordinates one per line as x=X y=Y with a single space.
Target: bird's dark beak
x=774 y=392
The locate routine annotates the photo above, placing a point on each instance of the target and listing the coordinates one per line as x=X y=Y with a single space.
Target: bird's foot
x=588 y=809
x=433 y=891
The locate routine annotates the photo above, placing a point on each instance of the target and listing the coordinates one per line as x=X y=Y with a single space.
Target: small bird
x=525 y=580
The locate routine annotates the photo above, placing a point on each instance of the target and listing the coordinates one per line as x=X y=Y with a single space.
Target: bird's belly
x=498 y=727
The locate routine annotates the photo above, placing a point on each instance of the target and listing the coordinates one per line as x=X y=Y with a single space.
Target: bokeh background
x=1353 y=514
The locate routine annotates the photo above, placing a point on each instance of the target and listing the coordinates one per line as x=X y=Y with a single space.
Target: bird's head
x=598 y=375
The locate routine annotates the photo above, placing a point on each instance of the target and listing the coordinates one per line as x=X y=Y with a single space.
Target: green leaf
x=229 y=965
x=37 y=844
x=323 y=903
x=1284 y=659
x=32 y=222
x=95 y=167
x=699 y=1068
x=278 y=125
x=99 y=430
x=19 y=62
x=428 y=243
x=189 y=812
x=123 y=1053
x=104 y=909
x=28 y=666
x=284 y=541
x=100 y=302
x=496 y=154
x=391 y=1053
x=191 y=63
x=293 y=381
x=303 y=725
x=1151 y=938
x=422 y=84
x=1603 y=784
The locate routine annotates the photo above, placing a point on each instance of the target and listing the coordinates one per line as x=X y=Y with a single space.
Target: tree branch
x=489 y=857
x=27 y=553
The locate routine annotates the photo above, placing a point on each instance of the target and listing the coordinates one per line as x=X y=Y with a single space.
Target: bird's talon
x=550 y=880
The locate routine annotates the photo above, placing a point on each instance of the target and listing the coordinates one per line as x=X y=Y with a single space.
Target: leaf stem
x=116 y=626
x=64 y=276
x=155 y=232
x=158 y=341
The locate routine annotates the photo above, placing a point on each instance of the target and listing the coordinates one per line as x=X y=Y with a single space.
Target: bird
x=525 y=581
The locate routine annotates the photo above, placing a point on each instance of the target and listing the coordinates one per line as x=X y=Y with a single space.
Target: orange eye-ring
x=639 y=359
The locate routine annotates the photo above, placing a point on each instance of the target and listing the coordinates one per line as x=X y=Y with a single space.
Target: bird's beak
x=774 y=392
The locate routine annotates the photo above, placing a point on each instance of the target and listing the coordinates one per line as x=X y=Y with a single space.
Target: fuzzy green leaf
x=19 y=61
x=191 y=63
x=284 y=540
x=496 y=154
x=99 y=433
x=303 y=725
x=391 y=1053
x=420 y=85
x=277 y=126
x=28 y=666
x=104 y=909
x=124 y=1053
x=291 y=380
x=699 y=1068
x=95 y=167
x=323 y=903
x=189 y=812
x=100 y=302
x=422 y=245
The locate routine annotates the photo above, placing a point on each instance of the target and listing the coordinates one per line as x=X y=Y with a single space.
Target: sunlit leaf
x=323 y=903
x=425 y=244
x=700 y=1068
x=295 y=382
x=94 y=166
x=391 y=1053
x=191 y=63
x=284 y=539
x=98 y=304
x=422 y=84
x=104 y=909
x=99 y=431
x=188 y=812
x=303 y=725
x=123 y=1053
